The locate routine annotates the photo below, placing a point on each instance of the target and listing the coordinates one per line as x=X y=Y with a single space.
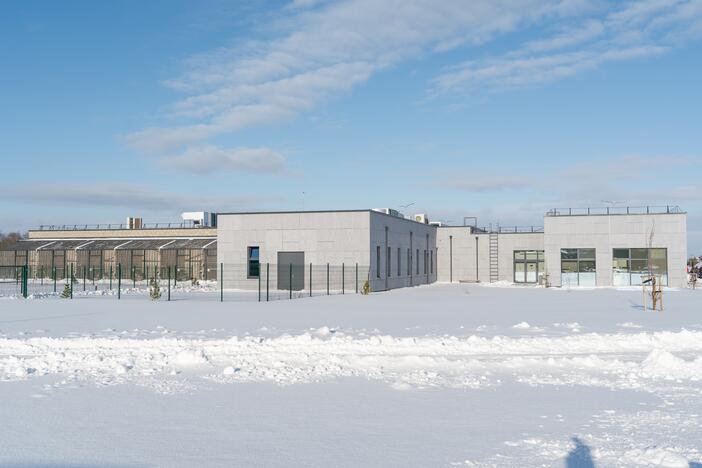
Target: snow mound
x=656 y=456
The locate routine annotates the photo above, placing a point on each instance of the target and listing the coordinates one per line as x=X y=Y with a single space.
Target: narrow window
x=254 y=265
x=425 y=262
x=417 y=261
x=388 y=262
x=377 y=262
x=431 y=261
x=409 y=262
x=399 y=262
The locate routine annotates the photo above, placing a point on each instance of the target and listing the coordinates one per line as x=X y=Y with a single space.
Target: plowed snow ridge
x=640 y=360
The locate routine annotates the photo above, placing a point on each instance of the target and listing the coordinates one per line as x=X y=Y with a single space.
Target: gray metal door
x=291 y=271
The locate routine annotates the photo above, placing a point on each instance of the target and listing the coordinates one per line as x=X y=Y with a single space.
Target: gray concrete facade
x=457 y=246
x=336 y=238
x=604 y=233
x=397 y=252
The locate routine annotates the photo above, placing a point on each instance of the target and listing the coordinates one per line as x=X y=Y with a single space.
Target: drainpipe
x=451 y=259
x=387 y=263
x=477 y=280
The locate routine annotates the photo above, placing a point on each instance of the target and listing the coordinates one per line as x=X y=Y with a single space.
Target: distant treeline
x=10 y=238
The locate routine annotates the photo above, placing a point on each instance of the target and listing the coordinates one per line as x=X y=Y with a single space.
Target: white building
x=574 y=248
x=342 y=249
x=390 y=251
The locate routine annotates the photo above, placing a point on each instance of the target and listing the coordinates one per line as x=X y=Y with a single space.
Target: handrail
x=509 y=229
x=616 y=210
x=92 y=227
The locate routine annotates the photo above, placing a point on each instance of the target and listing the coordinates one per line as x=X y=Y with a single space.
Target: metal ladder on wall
x=494 y=251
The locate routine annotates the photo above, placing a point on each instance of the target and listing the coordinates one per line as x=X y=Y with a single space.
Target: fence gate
x=291 y=271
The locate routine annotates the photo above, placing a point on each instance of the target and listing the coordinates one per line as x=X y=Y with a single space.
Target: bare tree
x=7 y=240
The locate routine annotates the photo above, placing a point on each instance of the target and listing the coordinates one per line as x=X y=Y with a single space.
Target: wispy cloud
x=632 y=30
x=616 y=178
x=488 y=183
x=132 y=196
x=324 y=50
x=207 y=159
x=319 y=50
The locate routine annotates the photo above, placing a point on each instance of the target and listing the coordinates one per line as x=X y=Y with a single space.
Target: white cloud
x=325 y=51
x=634 y=30
x=207 y=159
x=317 y=50
x=131 y=196
x=487 y=183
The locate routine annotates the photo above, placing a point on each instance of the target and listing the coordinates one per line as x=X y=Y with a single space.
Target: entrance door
x=291 y=271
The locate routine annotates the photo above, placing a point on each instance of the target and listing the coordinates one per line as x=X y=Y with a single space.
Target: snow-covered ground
x=441 y=375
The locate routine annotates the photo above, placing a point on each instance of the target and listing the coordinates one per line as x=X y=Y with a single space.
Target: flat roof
x=167 y=243
x=616 y=210
x=365 y=210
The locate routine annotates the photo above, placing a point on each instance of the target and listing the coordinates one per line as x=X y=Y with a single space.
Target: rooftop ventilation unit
x=134 y=223
x=199 y=218
x=389 y=211
x=421 y=218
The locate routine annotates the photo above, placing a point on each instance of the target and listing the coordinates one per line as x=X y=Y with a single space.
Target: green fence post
x=169 y=283
x=259 y=284
x=53 y=272
x=133 y=277
x=327 y=279
x=110 y=277
x=290 y=279
x=310 y=279
x=83 y=278
x=221 y=282
x=24 y=281
x=72 y=272
x=268 y=276
x=119 y=281
x=357 y=278
x=41 y=273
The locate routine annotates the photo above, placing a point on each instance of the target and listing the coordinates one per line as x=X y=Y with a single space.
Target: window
x=528 y=266
x=417 y=261
x=409 y=262
x=388 y=262
x=629 y=266
x=431 y=261
x=399 y=262
x=578 y=267
x=377 y=262
x=254 y=264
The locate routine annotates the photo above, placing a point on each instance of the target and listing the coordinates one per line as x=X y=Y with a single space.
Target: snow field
x=642 y=361
x=444 y=375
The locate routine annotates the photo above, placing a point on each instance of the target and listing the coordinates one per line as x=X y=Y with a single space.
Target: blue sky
x=493 y=109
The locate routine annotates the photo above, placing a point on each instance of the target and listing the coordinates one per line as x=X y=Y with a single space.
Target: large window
x=630 y=265
x=528 y=266
x=578 y=267
x=254 y=264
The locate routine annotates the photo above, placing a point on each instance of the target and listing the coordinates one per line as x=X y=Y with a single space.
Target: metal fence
x=271 y=281
x=234 y=282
